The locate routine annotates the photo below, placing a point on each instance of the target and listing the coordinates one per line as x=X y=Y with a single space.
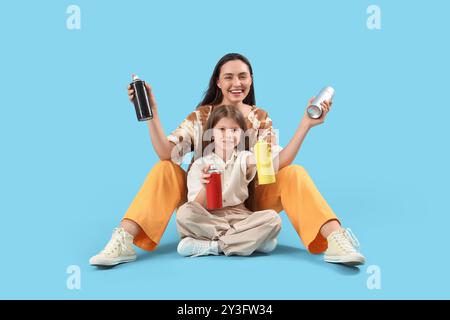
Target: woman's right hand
x=151 y=97
x=204 y=178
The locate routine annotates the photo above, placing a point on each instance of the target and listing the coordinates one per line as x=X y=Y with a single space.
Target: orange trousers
x=165 y=189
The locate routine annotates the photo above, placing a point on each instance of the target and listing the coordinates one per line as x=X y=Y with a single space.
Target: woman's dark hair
x=213 y=95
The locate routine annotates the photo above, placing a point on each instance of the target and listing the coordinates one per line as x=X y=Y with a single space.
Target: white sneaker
x=342 y=248
x=195 y=248
x=118 y=250
x=268 y=246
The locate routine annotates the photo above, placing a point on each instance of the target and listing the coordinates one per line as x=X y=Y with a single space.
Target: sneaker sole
x=110 y=263
x=348 y=261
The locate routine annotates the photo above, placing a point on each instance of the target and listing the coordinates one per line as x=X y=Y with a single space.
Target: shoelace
x=351 y=236
x=202 y=248
x=347 y=240
x=118 y=240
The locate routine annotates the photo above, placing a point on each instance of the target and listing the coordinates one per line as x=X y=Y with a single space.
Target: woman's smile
x=236 y=92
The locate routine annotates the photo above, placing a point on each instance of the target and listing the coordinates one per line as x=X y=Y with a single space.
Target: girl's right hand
x=204 y=178
x=151 y=97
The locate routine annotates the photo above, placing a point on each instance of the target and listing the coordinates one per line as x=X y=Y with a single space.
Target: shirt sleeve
x=267 y=133
x=247 y=173
x=183 y=138
x=193 y=179
x=185 y=131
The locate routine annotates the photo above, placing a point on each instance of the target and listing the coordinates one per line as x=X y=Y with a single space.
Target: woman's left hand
x=309 y=122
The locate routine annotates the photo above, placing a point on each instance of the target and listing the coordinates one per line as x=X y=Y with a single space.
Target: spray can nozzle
x=141 y=100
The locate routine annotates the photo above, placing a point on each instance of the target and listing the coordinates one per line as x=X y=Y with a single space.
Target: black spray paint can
x=141 y=100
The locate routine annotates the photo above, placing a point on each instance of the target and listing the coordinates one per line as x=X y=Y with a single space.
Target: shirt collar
x=216 y=159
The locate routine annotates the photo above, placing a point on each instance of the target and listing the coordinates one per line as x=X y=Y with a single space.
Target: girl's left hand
x=308 y=122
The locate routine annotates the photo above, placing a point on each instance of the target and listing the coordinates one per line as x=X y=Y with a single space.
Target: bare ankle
x=329 y=227
x=130 y=226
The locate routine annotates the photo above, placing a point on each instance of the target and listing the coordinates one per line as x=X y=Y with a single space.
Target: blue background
x=74 y=156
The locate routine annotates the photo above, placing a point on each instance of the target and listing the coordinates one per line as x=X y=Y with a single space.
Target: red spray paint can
x=214 y=190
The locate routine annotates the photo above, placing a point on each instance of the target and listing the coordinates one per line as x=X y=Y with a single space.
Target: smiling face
x=227 y=133
x=234 y=81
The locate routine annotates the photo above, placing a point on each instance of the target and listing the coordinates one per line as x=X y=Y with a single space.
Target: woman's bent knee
x=293 y=171
x=164 y=165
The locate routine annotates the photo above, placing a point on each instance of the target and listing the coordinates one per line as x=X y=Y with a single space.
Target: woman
x=164 y=189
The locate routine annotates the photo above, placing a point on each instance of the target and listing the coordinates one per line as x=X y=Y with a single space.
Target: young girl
x=233 y=229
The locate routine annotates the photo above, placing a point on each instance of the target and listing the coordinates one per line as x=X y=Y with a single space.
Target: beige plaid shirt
x=188 y=136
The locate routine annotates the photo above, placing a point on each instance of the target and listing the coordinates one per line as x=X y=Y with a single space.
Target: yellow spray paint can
x=264 y=163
